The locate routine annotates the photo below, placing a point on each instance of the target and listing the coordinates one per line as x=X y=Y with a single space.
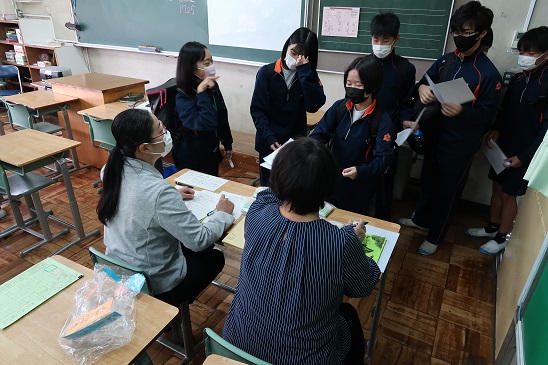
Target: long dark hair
x=130 y=128
x=307 y=45
x=189 y=55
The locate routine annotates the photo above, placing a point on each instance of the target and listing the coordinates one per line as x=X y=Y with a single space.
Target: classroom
x=455 y=305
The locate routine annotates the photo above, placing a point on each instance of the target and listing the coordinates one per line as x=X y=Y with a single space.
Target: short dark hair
x=487 y=40
x=304 y=174
x=471 y=14
x=130 y=128
x=307 y=45
x=385 y=24
x=534 y=40
x=370 y=72
x=189 y=55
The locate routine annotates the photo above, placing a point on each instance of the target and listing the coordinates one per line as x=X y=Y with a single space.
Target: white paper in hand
x=494 y=155
x=434 y=88
x=269 y=160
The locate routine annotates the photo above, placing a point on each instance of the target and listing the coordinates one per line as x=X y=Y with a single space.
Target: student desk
x=314 y=118
x=106 y=111
x=33 y=338
x=42 y=103
x=28 y=150
x=220 y=360
x=339 y=215
x=93 y=89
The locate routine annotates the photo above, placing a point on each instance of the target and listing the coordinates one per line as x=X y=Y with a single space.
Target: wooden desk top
x=24 y=147
x=97 y=82
x=337 y=214
x=105 y=111
x=220 y=360
x=33 y=338
x=40 y=99
x=313 y=118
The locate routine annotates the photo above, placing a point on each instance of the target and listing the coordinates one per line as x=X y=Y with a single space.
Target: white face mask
x=527 y=63
x=209 y=71
x=168 y=144
x=290 y=62
x=381 y=50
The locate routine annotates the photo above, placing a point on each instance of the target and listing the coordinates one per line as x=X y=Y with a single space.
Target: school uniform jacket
x=459 y=137
x=397 y=103
x=522 y=121
x=203 y=123
x=279 y=112
x=351 y=142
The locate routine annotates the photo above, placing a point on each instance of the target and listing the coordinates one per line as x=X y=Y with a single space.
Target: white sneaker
x=479 y=232
x=3 y=214
x=493 y=247
x=409 y=223
x=427 y=248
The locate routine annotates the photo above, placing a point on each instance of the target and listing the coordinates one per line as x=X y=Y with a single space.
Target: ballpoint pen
x=183 y=184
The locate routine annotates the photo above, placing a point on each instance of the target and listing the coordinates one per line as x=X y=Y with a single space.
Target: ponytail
x=130 y=128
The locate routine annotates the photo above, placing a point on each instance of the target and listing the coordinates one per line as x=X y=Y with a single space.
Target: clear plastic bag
x=103 y=318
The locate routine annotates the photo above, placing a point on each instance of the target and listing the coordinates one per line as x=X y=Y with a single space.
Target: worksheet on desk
x=201 y=180
x=205 y=202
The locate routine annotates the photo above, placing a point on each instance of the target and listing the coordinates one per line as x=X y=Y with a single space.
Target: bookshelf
x=37 y=46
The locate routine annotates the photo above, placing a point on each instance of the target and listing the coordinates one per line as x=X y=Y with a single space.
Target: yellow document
x=236 y=235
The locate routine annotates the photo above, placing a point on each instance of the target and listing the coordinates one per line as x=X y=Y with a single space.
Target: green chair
x=27 y=186
x=215 y=344
x=181 y=326
x=101 y=136
x=20 y=118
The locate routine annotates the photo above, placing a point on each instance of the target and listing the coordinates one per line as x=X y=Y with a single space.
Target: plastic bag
x=104 y=316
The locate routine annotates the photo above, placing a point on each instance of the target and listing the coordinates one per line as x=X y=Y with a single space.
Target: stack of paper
x=269 y=160
x=200 y=180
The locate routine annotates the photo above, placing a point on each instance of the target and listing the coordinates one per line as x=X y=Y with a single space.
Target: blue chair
x=215 y=344
x=8 y=72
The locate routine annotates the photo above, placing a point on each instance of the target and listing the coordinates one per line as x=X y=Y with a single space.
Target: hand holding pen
x=225 y=205
x=185 y=190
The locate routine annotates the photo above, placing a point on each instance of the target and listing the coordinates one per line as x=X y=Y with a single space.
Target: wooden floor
x=436 y=310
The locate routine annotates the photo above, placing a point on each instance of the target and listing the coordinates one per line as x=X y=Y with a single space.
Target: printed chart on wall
x=344 y=26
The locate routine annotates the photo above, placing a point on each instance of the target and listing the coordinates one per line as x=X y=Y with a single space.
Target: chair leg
x=188 y=340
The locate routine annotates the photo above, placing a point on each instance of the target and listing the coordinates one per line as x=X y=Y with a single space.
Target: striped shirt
x=292 y=280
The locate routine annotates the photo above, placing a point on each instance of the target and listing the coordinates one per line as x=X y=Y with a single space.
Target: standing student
x=147 y=223
x=296 y=268
x=459 y=129
x=395 y=96
x=284 y=91
x=201 y=113
x=519 y=130
x=360 y=133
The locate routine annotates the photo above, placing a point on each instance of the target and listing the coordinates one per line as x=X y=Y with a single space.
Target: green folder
x=373 y=246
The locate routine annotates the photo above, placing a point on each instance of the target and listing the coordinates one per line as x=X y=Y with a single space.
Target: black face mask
x=355 y=95
x=465 y=43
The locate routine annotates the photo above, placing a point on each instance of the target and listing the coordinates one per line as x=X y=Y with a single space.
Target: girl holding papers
x=296 y=268
x=361 y=135
x=201 y=113
x=147 y=224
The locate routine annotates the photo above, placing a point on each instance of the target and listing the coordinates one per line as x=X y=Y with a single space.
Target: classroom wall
x=237 y=80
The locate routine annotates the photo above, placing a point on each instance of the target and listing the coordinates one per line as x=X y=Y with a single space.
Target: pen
x=183 y=184
x=211 y=213
x=231 y=163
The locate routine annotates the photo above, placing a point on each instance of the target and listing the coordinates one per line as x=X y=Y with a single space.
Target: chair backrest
x=100 y=131
x=7 y=71
x=215 y=344
x=120 y=268
x=18 y=115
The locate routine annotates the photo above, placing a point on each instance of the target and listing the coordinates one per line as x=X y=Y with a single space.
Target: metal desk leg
x=78 y=226
x=375 y=321
x=73 y=152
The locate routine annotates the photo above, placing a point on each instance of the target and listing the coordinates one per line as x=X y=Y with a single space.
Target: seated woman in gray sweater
x=147 y=224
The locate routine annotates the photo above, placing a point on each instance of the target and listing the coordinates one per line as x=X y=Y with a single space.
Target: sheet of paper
x=269 y=160
x=204 y=201
x=236 y=235
x=403 y=135
x=455 y=91
x=494 y=155
x=239 y=202
x=434 y=88
x=340 y=21
x=391 y=239
x=200 y=180
x=33 y=287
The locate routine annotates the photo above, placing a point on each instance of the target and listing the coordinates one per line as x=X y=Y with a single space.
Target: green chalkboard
x=423 y=28
x=168 y=24
x=535 y=321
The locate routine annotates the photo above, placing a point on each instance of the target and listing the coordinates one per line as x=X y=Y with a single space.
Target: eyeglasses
x=464 y=34
x=164 y=129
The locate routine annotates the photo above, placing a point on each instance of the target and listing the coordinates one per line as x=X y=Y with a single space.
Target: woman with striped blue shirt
x=296 y=268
